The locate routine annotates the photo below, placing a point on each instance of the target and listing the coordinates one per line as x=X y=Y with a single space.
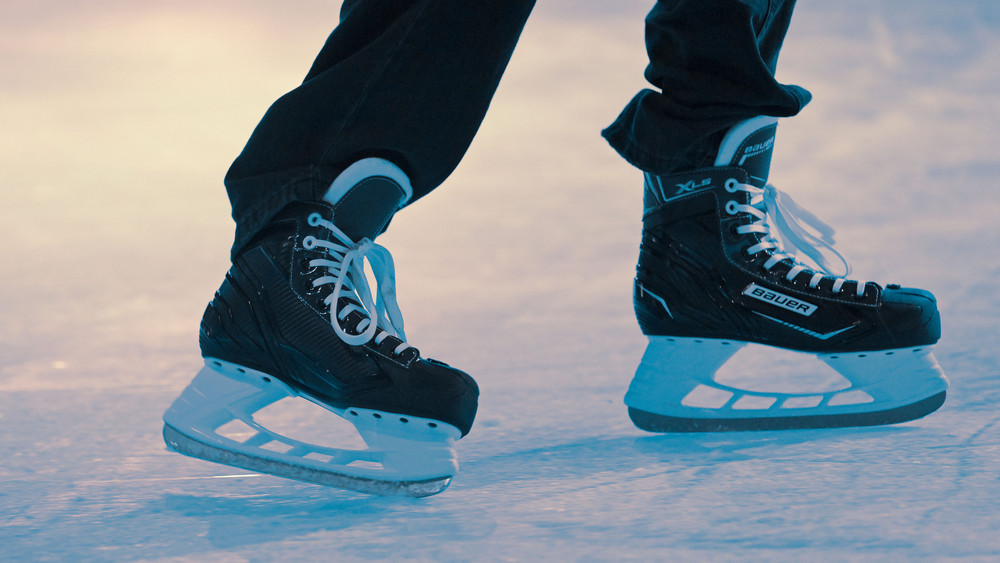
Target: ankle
x=366 y=195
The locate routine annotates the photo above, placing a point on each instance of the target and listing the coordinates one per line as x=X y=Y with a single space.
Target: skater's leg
x=713 y=63
x=384 y=115
x=407 y=81
x=712 y=274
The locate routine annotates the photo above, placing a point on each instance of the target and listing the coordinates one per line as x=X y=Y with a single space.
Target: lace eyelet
x=732 y=208
x=314 y=219
x=857 y=297
x=309 y=242
x=732 y=186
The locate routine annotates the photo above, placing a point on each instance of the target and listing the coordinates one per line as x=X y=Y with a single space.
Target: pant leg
x=405 y=80
x=713 y=62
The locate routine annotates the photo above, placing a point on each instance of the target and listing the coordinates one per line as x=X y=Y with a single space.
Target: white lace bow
x=346 y=271
x=791 y=232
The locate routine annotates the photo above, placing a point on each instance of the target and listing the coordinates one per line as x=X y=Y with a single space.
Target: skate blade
x=186 y=445
x=674 y=390
x=213 y=419
x=653 y=422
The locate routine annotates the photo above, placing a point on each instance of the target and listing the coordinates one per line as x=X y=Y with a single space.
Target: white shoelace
x=803 y=233
x=346 y=270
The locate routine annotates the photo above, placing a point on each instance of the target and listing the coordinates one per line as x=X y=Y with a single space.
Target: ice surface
x=119 y=120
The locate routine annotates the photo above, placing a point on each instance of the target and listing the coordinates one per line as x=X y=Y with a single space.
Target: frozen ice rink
x=118 y=120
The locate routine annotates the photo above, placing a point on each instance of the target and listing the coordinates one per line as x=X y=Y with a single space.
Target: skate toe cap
x=912 y=314
x=427 y=389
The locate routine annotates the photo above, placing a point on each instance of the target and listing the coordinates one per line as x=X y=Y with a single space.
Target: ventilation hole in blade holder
x=365 y=464
x=236 y=430
x=753 y=402
x=404 y=420
x=316 y=456
x=432 y=424
x=855 y=397
x=706 y=397
x=303 y=420
x=779 y=373
x=277 y=447
x=803 y=402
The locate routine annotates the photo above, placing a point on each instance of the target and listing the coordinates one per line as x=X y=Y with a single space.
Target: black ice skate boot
x=712 y=276
x=295 y=316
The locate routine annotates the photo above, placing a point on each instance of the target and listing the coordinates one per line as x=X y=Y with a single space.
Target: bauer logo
x=781 y=300
x=755 y=149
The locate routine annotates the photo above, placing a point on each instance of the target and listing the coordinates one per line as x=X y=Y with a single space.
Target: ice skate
x=295 y=316
x=721 y=265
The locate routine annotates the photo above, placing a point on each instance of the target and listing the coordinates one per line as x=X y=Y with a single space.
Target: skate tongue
x=366 y=195
x=748 y=145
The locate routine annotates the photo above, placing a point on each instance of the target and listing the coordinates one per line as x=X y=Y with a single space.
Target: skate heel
x=672 y=368
x=407 y=456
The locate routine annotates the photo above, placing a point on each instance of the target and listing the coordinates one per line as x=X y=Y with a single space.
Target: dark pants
x=411 y=80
